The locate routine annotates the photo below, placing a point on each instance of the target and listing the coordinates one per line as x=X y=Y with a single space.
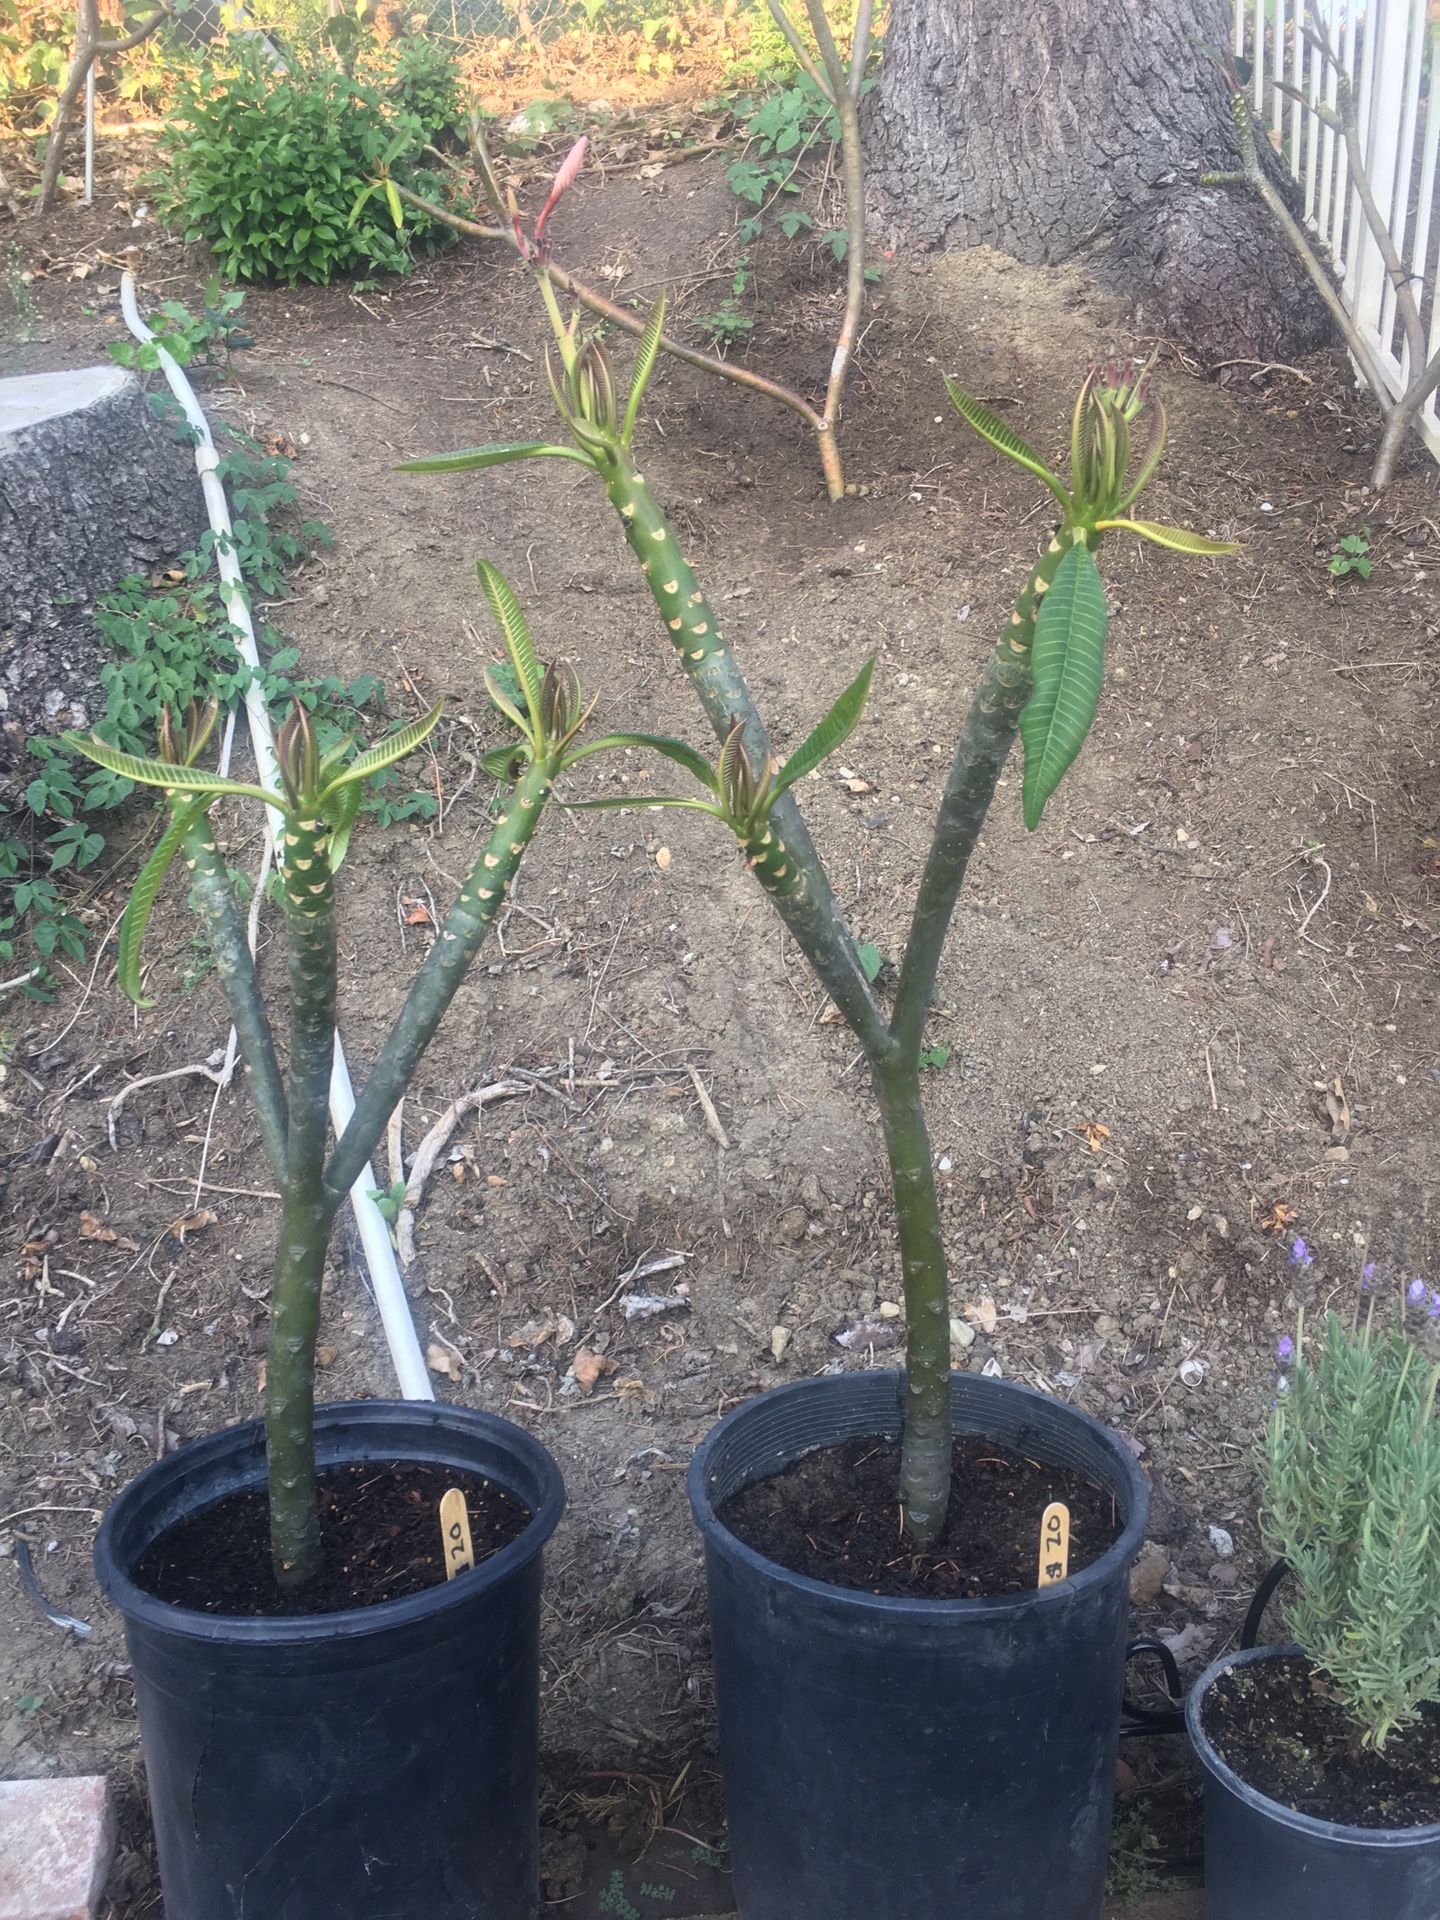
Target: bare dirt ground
x=1189 y=1017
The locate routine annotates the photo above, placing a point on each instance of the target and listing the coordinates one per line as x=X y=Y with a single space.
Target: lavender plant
x=1044 y=678
x=1351 y=1502
x=315 y=809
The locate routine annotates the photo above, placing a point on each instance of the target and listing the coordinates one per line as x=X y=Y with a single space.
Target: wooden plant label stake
x=1054 y=1543
x=455 y=1531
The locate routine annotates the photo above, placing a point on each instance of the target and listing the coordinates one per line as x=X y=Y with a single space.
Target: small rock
x=889 y=1310
x=790 y=1227
x=961 y=1336
x=779 y=1341
x=868 y=1333
x=57 y=1838
x=1148 y=1575
x=648 y=1306
x=326 y=1356
x=1222 y=1542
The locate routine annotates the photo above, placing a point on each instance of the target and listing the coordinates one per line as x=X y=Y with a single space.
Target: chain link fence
x=199 y=25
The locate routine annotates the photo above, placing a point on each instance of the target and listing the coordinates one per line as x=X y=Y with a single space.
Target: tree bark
x=1054 y=128
x=92 y=487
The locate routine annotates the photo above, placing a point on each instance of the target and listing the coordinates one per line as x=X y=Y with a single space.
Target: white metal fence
x=1391 y=51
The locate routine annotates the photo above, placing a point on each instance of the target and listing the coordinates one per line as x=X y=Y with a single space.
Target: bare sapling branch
x=841 y=88
x=89 y=48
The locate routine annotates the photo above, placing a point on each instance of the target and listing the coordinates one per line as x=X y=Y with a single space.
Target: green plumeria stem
x=307 y=1213
x=225 y=929
x=460 y=939
x=809 y=910
x=986 y=739
x=926 y=1447
x=980 y=754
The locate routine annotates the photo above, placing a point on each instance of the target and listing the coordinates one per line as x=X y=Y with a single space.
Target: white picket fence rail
x=1391 y=51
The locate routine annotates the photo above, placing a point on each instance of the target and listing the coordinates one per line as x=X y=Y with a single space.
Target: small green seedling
x=1353 y=556
x=389 y=1200
x=871 y=959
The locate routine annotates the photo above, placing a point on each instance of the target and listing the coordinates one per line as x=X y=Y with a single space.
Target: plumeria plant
x=1044 y=678
x=313 y=808
x=1350 y=1468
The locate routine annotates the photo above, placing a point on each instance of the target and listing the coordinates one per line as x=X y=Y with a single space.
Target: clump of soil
x=834 y=1515
x=1279 y=1727
x=380 y=1533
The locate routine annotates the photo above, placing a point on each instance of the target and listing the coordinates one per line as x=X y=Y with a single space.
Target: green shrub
x=425 y=83
x=267 y=168
x=34 y=44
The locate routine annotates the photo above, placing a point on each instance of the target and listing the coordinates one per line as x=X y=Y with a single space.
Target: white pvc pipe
x=388 y=1288
x=90 y=136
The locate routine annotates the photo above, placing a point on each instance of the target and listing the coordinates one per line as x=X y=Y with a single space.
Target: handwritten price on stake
x=1054 y=1544
x=455 y=1532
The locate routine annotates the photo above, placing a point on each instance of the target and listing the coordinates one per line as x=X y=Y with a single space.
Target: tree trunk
x=92 y=487
x=1049 y=128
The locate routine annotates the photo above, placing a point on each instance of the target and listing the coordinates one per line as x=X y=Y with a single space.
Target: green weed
x=1352 y=555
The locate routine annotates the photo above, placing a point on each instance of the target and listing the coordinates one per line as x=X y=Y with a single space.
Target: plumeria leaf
x=471 y=459
x=620 y=802
x=1177 y=539
x=837 y=725
x=340 y=806
x=518 y=644
x=501 y=762
x=645 y=357
x=142 y=898
x=164 y=773
x=362 y=200
x=500 y=695
x=1151 y=460
x=1067 y=664
x=676 y=750
x=397 y=212
x=386 y=752
x=1004 y=439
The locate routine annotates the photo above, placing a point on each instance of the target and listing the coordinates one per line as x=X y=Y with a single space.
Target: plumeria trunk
x=300 y=1264
x=803 y=897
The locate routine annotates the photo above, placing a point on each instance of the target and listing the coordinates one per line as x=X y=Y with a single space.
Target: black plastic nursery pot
x=374 y=1764
x=936 y=1759
x=1264 y=1861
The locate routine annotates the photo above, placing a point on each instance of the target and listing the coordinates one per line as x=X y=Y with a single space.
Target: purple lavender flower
x=1434 y=1308
x=1299 y=1253
x=1416 y=1292
x=1367 y=1275
x=1284 y=1348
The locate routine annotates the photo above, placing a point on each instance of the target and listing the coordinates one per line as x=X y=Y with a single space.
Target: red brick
x=56 y=1841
